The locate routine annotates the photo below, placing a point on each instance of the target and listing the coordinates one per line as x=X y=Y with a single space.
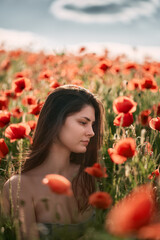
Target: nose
x=90 y=131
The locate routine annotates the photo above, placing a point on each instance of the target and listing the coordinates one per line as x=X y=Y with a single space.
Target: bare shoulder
x=12 y=188
x=15 y=182
x=16 y=179
x=17 y=199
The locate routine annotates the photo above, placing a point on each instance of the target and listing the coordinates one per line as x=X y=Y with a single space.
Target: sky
x=69 y=22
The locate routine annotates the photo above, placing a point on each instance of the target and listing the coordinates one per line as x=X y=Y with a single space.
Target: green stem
x=19 y=173
x=10 y=197
x=154 y=138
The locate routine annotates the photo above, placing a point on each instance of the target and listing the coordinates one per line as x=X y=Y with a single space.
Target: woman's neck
x=57 y=162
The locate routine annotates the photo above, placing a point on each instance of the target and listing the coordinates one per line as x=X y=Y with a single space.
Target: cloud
x=103 y=11
x=12 y=39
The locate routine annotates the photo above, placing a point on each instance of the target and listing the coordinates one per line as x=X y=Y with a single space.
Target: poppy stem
x=154 y=137
x=20 y=145
x=114 y=179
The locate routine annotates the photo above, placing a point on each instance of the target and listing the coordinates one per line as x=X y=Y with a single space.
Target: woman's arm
x=17 y=201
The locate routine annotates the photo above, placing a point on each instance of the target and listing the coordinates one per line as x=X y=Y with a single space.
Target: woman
x=67 y=139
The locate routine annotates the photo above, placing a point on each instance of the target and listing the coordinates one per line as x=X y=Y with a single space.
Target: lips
x=85 y=142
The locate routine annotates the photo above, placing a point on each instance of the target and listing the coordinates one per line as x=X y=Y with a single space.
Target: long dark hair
x=59 y=104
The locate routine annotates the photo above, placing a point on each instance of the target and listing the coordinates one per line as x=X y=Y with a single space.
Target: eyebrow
x=89 y=120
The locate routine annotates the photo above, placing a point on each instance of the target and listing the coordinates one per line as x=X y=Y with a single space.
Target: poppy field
x=127 y=199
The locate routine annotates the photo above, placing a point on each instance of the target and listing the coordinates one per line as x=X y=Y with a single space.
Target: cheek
x=69 y=133
x=74 y=129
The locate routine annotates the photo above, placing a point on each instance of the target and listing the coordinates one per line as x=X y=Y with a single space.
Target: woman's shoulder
x=14 y=182
x=16 y=178
x=15 y=187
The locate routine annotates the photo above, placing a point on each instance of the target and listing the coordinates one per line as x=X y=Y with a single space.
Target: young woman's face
x=77 y=130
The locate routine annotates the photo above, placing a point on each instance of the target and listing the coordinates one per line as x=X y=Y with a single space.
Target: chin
x=81 y=150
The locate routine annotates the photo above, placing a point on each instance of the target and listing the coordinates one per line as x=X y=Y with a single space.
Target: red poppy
x=125 y=148
x=3 y=148
x=32 y=124
x=133 y=212
x=3 y=103
x=102 y=67
x=29 y=100
x=146 y=66
x=150 y=232
x=24 y=73
x=96 y=170
x=4 y=118
x=154 y=174
x=105 y=65
x=82 y=49
x=100 y=200
x=36 y=108
x=10 y=94
x=148 y=82
x=21 y=84
x=58 y=184
x=15 y=53
x=130 y=65
x=17 y=113
x=5 y=64
x=123 y=119
x=46 y=74
x=154 y=123
x=154 y=70
x=116 y=158
x=54 y=84
x=144 y=117
x=124 y=104
x=115 y=69
x=133 y=84
x=17 y=131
